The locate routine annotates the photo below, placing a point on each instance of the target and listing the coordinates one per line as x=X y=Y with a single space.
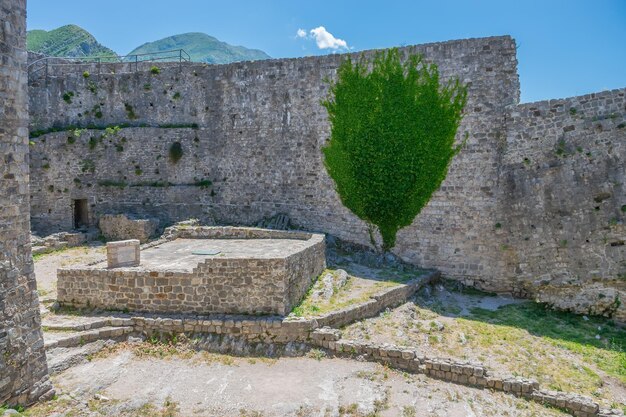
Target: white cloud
x=323 y=38
x=326 y=40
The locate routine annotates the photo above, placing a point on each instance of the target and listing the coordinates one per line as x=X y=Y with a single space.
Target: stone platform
x=178 y=255
x=204 y=270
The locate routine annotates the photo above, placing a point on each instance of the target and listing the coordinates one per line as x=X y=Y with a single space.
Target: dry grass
x=73 y=407
x=176 y=347
x=563 y=351
x=71 y=255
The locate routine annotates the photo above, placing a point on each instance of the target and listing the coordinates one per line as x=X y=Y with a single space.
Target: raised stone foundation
x=205 y=270
x=23 y=369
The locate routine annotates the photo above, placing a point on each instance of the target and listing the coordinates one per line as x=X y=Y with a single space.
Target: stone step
x=77 y=327
x=80 y=323
x=61 y=358
x=71 y=339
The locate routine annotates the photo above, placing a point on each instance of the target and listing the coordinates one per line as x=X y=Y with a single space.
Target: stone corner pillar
x=23 y=369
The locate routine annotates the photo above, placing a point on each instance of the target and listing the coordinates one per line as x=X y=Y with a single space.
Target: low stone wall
x=464 y=373
x=379 y=302
x=61 y=240
x=231 y=232
x=121 y=227
x=217 y=285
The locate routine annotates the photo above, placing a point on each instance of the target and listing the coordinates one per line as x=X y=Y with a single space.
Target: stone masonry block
x=124 y=253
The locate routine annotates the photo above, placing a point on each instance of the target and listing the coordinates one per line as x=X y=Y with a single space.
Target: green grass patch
x=355 y=291
x=39 y=256
x=566 y=331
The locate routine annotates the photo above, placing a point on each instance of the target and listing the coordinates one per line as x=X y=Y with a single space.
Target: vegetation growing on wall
x=130 y=112
x=109 y=129
x=67 y=97
x=176 y=152
x=392 y=137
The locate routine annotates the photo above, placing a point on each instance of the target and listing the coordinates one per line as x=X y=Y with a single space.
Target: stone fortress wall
x=563 y=201
x=23 y=368
x=517 y=212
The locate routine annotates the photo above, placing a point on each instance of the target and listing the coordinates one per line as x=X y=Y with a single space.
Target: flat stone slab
x=183 y=255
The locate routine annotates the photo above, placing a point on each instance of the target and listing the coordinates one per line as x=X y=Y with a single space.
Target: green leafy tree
x=393 y=126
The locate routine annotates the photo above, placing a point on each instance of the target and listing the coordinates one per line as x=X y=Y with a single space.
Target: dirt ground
x=122 y=384
x=46 y=265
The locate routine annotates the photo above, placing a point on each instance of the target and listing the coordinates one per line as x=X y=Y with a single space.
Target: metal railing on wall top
x=44 y=66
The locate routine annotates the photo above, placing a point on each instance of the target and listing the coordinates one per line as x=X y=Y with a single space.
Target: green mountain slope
x=202 y=48
x=66 y=41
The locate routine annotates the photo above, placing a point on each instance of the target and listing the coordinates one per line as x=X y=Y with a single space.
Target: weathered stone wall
x=120 y=227
x=23 y=369
x=229 y=285
x=260 y=130
x=251 y=135
x=125 y=172
x=562 y=202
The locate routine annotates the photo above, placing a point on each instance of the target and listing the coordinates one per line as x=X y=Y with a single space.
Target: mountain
x=66 y=41
x=202 y=48
x=74 y=41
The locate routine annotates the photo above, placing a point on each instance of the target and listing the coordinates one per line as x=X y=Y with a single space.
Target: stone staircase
x=72 y=331
x=71 y=340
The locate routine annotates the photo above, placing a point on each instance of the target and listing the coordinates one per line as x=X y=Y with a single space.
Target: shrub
x=67 y=97
x=392 y=137
x=155 y=70
x=203 y=183
x=130 y=112
x=86 y=74
x=176 y=152
x=93 y=142
x=88 y=165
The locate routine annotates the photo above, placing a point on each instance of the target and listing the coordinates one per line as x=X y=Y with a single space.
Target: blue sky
x=565 y=47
